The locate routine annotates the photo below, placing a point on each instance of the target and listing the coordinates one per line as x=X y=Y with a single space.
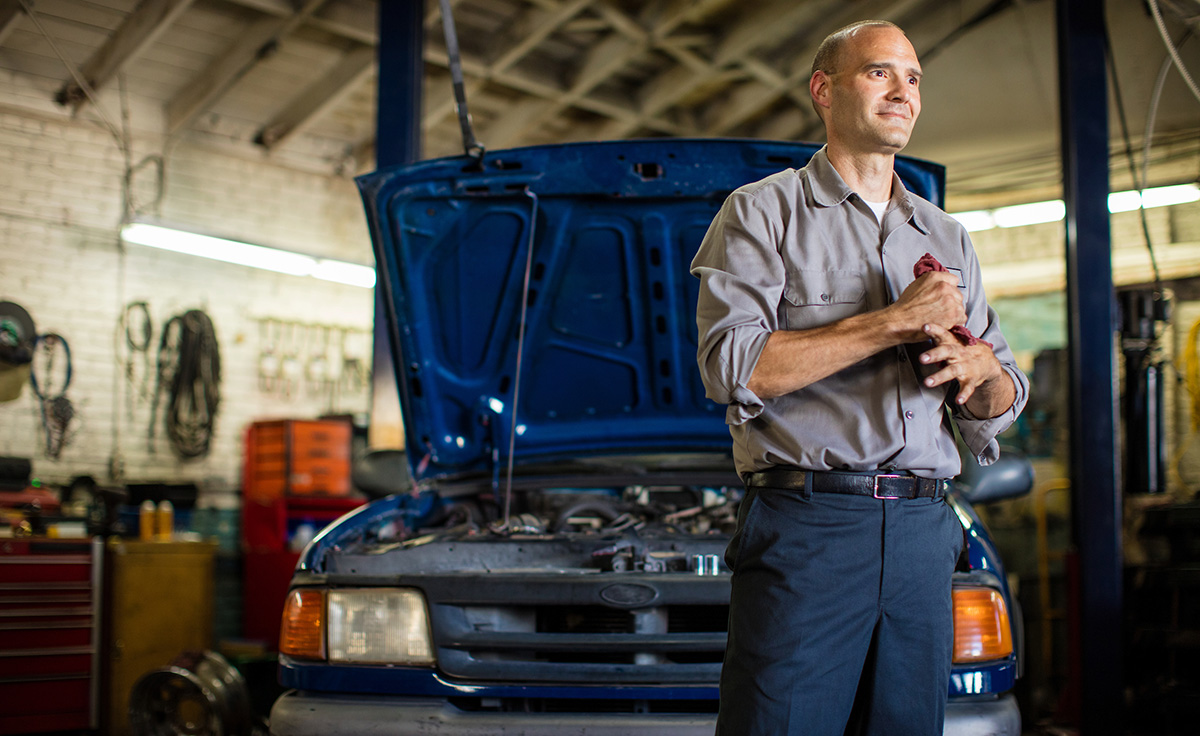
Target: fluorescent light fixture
x=1054 y=210
x=1034 y=213
x=246 y=254
x=351 y=274
x=975 y=220
x=1124 y=201
x=1164 y=196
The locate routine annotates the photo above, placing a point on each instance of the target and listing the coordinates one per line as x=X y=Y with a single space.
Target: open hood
x=608 y=360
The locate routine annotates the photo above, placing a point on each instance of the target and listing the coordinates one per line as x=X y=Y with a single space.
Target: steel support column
x=401 y=70
x=397 y=141
x=1092 y=323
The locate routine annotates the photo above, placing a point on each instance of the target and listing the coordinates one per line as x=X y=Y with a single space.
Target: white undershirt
x=878 y=208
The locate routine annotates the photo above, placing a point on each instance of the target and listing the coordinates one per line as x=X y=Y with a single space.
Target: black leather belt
x=882 y=485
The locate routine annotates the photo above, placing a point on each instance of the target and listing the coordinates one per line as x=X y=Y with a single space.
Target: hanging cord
x=1174 y=52
x=512 y=434
x=471 y=146
x=189 y=371
x=57 y=410
x=90 y=93
x=1152 y=109
x=138 y=331
x=1138 y=183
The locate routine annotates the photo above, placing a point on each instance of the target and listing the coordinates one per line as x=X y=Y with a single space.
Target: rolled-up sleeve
x=980 y=434
x=741 y=280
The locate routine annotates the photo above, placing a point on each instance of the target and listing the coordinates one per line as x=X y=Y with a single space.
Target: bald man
x=842 y=376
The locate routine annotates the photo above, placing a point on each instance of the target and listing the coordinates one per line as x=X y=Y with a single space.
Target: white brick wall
x=60 y=205
x=61 y=201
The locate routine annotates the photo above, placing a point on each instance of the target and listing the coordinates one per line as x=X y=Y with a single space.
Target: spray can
x=165 y=523
x=146 y=521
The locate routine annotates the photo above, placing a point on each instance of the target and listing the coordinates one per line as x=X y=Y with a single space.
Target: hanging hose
x=1172 y=50
x=189 y=372
x=138 y=332
x=57 y=410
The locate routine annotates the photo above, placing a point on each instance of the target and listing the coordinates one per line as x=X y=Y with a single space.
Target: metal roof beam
x=535 y=26
x=10 y=13
x=754 y=99
x=602 y=61
x=255 y=44
x=317 y=99
x=141 y=27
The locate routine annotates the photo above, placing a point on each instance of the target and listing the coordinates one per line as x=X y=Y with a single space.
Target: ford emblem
x=630 y=595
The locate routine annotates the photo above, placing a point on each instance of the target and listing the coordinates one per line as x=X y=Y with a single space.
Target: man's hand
x=933 y=299
x=983 y=386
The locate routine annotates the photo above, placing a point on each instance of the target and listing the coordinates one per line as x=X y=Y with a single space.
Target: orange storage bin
x=297 y=457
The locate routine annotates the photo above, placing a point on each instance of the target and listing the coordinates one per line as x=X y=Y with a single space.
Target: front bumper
x=296 y=714
x=985 y=717
x=299 y=714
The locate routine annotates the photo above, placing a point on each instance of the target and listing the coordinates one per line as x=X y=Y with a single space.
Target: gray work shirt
x=799 y=250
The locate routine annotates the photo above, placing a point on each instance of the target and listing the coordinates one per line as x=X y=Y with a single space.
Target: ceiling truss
x=536 y=71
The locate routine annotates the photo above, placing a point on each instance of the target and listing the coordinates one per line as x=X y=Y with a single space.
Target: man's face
x=874 y=96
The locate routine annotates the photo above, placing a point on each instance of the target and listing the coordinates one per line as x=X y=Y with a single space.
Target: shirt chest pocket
x=816 y=298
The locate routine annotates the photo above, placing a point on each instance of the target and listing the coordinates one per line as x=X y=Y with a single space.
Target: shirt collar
x=829 y=189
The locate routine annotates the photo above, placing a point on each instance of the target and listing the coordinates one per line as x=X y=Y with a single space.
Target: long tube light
x=247 y=254
x=1054 y=210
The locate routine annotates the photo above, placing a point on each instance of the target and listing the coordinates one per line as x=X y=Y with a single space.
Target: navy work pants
x=837 y=597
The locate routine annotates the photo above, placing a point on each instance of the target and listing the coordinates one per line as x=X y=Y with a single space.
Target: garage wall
x=1183 y=473
x=60 y=206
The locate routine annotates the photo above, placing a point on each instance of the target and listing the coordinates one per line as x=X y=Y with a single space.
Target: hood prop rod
x=471 y=146
x=512 y=433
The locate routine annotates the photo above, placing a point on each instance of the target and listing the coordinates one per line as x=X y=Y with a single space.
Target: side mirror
x=1011 y=476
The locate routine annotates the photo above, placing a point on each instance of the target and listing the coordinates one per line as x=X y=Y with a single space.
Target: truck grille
x=557 y=630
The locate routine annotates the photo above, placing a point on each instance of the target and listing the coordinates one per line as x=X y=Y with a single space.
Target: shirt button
x=908 y=414
x=903 y=353
x=824 y=297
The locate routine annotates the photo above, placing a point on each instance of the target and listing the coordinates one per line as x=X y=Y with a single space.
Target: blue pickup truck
x=555 y=565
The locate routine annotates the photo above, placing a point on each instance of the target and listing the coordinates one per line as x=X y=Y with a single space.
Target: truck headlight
x=378 y=626
x=981 y=627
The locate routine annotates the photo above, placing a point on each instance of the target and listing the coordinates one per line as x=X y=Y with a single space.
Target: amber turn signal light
x=981 y=627
x=302 y=633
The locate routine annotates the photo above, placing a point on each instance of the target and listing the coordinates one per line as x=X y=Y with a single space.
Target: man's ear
x=819 y=88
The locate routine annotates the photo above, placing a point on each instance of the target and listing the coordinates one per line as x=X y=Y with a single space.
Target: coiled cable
x=189 y=373
x=57 y=410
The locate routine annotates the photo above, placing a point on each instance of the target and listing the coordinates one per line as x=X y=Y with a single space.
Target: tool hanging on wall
x=139 y=331
x=268 y=361
x=290 y=368
x=319 y=370
x=189 y=372
x=57 y=410
x=322 y=359
x=355 y=374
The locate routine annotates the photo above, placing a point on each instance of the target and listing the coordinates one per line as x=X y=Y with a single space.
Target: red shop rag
x=924 y=265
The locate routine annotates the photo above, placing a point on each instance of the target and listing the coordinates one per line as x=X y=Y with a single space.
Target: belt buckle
x=875 y=487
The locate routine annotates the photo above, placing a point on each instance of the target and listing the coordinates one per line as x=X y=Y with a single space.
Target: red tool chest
x=49 y=634
x=295 y=472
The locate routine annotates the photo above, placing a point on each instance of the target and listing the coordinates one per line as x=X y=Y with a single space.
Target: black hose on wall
x=189 y=373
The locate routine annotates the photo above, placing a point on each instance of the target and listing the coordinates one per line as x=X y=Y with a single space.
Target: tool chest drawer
x=49 y=634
